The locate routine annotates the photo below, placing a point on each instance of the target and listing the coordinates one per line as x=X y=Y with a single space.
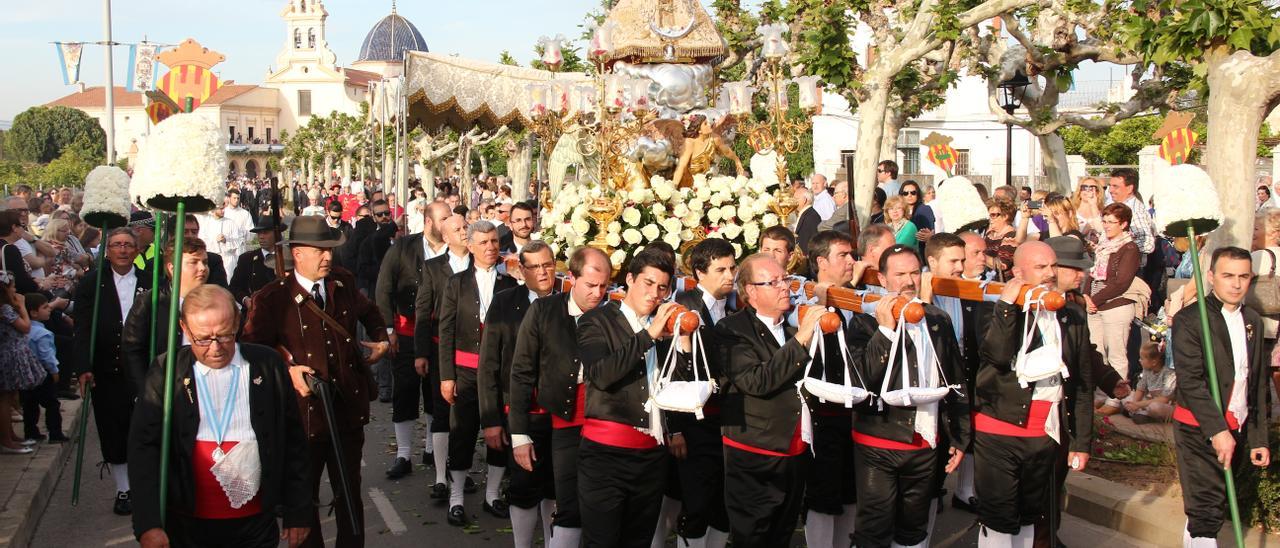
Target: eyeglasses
x=1107 y=221
x=382 y=214
x=878 y=170
x=122 y=245
x=1088 y=187
x=995 y=214
x=543 y=266
x=220 y=339
x=776 y=284
x=908 y=193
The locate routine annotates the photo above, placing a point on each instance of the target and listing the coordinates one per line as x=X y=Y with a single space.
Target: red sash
x=617 y=434
x=796 y=446
x=404 y=325
x=1185 y=416
x=868 y=440
x=211 y=501
x=469 y=360
x=1034 y=428
x=579 y=411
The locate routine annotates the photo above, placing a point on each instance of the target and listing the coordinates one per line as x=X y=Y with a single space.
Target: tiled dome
x=389 y=39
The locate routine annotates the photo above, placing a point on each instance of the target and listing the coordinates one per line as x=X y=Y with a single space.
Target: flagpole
x=109 y=118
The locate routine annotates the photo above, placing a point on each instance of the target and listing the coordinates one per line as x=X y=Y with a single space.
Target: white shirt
x=126 y=286
x=775 y=327
x=485 y=280
x=633 y=319
x=233 y=235
x=715 y=306
x=428 y=253
x=414 y=215
x=219 y=382
x=307 y=284
x=1238 y=403
x=824 y=204
x=458 y=264
x=241 y=216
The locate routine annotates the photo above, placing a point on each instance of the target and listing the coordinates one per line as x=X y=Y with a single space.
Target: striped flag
x=943 y=156
x=1176 y=146
x=189 y=81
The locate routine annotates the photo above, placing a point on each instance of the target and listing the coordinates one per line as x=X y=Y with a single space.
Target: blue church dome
x=389 y=39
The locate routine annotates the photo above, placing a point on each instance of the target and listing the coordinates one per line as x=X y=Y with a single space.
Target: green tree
x=506 y=58
x=1118 y=145
x=69 y=169
x=40 y=134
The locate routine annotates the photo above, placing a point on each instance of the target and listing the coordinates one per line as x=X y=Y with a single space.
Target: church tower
x=304 y=36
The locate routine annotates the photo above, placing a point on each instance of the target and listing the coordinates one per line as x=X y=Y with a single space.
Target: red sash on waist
x=537 y=409
x=469 y=360
x=211 y=501
x=1185 y=416
x=579 y=411
x=868 y=440
x=796 y=446
x=1034 y=428
x=404 y=325
x=617 y=434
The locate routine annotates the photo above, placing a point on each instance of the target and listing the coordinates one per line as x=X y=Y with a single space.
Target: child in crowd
x=40 y=339
x=1152 y=399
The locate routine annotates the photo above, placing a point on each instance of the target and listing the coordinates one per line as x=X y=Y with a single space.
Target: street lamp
x=1011 y=92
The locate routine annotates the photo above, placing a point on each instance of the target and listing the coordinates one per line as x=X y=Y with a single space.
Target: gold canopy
x=649 y=30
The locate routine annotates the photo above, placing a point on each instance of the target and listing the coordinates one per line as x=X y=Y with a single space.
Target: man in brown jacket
x=310 y=317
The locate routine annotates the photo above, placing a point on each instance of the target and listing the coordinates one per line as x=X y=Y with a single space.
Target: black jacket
x=135 y=340
x=397 y=287
x=282 y=447
x=1189 y=360
x=252 y=273
x=806 y=227
x=108 y=357
x=996 y=389
x=898 y=423
x=426 y=307
x=760 y=404
x=545 y=362
x=692 y=299
x=372 y=251
x=613 y=360
x=460 y=325
x=493 y=378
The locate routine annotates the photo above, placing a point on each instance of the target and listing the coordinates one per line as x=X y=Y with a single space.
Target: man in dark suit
x=107 y=375
x=215 y=373
x=621 y=465
x=766 y=425
x=426 y=340
x=696 y=443
x=528 y=489
x=1019 y=424
x=464 y=306
x=522 y=220
x=897 y=444
x=396 y=293
x=311 y=317
x=808 y=220
x=500 y=221
x=137 y=335
x=1212 y=433
x=256 y=268
x=546 y=374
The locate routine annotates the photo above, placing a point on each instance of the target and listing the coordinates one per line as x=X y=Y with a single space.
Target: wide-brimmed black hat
x=265 y=224
x=1070 y=252
x=312 y=230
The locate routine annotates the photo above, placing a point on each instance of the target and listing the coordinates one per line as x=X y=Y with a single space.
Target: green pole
x=1211 y=368
x=87 y=404
x=157 y=264
x=170 y=355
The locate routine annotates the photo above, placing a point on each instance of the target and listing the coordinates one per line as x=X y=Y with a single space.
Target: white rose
x=728 y=212
x=613 y=239
x=696 y=204
x=716 y=199
x=701 y=191
x=555 y=249
x=769 y=219
x=680 y=210
x=579 y=240
x=700 y=180
x=650 y=232
x=757 y=184
x=730 y=230
x=663 y=190
x=692 y=219
x=615 y=227
x=671 y=225
x=751 y=232
x=618 y=258
x=658 y=209
x=737 y=250
x=581 y=226
x=672 y=239
x=714 y=215
x=632 y=236
x=686 y=234
x=631 y=215
x=725 y=196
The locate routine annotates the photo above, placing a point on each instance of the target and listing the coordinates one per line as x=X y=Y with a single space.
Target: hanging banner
x=940 y=152
x=142 y=67
x=69 y=60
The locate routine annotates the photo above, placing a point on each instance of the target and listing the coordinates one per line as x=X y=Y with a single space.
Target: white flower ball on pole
x=958 y=204
x=1187 y=198
x=106 y=197
x=185 y=160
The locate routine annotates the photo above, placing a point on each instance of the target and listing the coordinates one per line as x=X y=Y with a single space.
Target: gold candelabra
x=778 y=134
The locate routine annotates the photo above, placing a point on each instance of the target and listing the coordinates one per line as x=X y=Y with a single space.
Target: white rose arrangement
x=184 y=160
x=106 y=197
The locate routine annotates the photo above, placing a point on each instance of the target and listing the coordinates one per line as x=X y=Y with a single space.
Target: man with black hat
x=143 y=225
x=311 y=318
x=256 y=268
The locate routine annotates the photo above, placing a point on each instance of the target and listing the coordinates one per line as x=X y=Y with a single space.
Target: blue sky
x=250 y=33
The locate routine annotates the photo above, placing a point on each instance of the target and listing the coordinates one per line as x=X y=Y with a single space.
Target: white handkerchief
x=239 y=473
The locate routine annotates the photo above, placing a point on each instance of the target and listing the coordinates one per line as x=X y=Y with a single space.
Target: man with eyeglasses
x=235 y=424
x=374 y=248
x=887 y=177
x=107 y=375
x=766 y=426
x=501 y=218
x=528 y=490
x=522 y=220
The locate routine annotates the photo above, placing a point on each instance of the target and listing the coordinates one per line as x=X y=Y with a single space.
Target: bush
x=1258 y=490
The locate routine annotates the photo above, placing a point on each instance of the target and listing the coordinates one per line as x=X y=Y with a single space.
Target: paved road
x=400 y=514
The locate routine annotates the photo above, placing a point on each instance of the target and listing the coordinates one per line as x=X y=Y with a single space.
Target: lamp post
x=1011 y=92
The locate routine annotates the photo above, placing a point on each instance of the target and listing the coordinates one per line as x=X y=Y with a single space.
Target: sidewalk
x=26 y=481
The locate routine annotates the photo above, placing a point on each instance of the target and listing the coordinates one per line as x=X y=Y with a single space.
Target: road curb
x=35 y=480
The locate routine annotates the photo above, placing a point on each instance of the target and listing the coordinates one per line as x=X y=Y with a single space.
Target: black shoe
x=400 y=468
x=123 y=505
x=58 y=438
x=428 y=458
x=970 y=506
x=457 y=516
x=498 y=509
x=470 y=486
x=439 y=491
x=37 y=436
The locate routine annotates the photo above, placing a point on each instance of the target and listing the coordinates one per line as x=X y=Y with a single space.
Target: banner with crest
x=142 y=67
x=69 y=54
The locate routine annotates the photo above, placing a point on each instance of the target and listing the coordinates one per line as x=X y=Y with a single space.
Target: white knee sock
x=1026 y=537
x=990 y=538
x=524 y=522
x=1189 y=541
x=457 y=490
x=121 y=474
x=441 y=454
x=666 y=519
x=404 y=439
x=565 y=537
x=700 y=542
x=964 y=480
x=547 y=508
x=493 y=483
x=933 y=520
x=841 y=537
x=427 y=444
x=717 y=538
x=819 y=529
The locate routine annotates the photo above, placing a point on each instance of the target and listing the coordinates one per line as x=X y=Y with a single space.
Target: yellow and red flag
x=943 y=156
x=1176 y=146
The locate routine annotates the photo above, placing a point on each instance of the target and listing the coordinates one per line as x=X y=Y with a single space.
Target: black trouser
x=112 y=410
x=408 y=389
x=526 y=489
x=762 y=495
x=623 y=490
x=831 y=483
x=46 y=396
x=895 y=490
x=565 y=443
x=322 y=457
x=435 y=403
x=464 y=425
x=258 y=531
x=1011 y=476
x=1204 y=488
x=702 y=479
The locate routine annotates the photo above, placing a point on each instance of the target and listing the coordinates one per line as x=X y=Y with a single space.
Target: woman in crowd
x=19 y=369
x=895 y=215
x=1061 y=217
x=877 y=206
x=1000 y=237
x=1264 y=198
x=10 y=232
x=929 y=194
x=1088 y=201
x=1115 y=267
x=66 y=262
x=918 y=212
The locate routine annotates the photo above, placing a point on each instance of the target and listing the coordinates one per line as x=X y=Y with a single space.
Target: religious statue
x=704 y=140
